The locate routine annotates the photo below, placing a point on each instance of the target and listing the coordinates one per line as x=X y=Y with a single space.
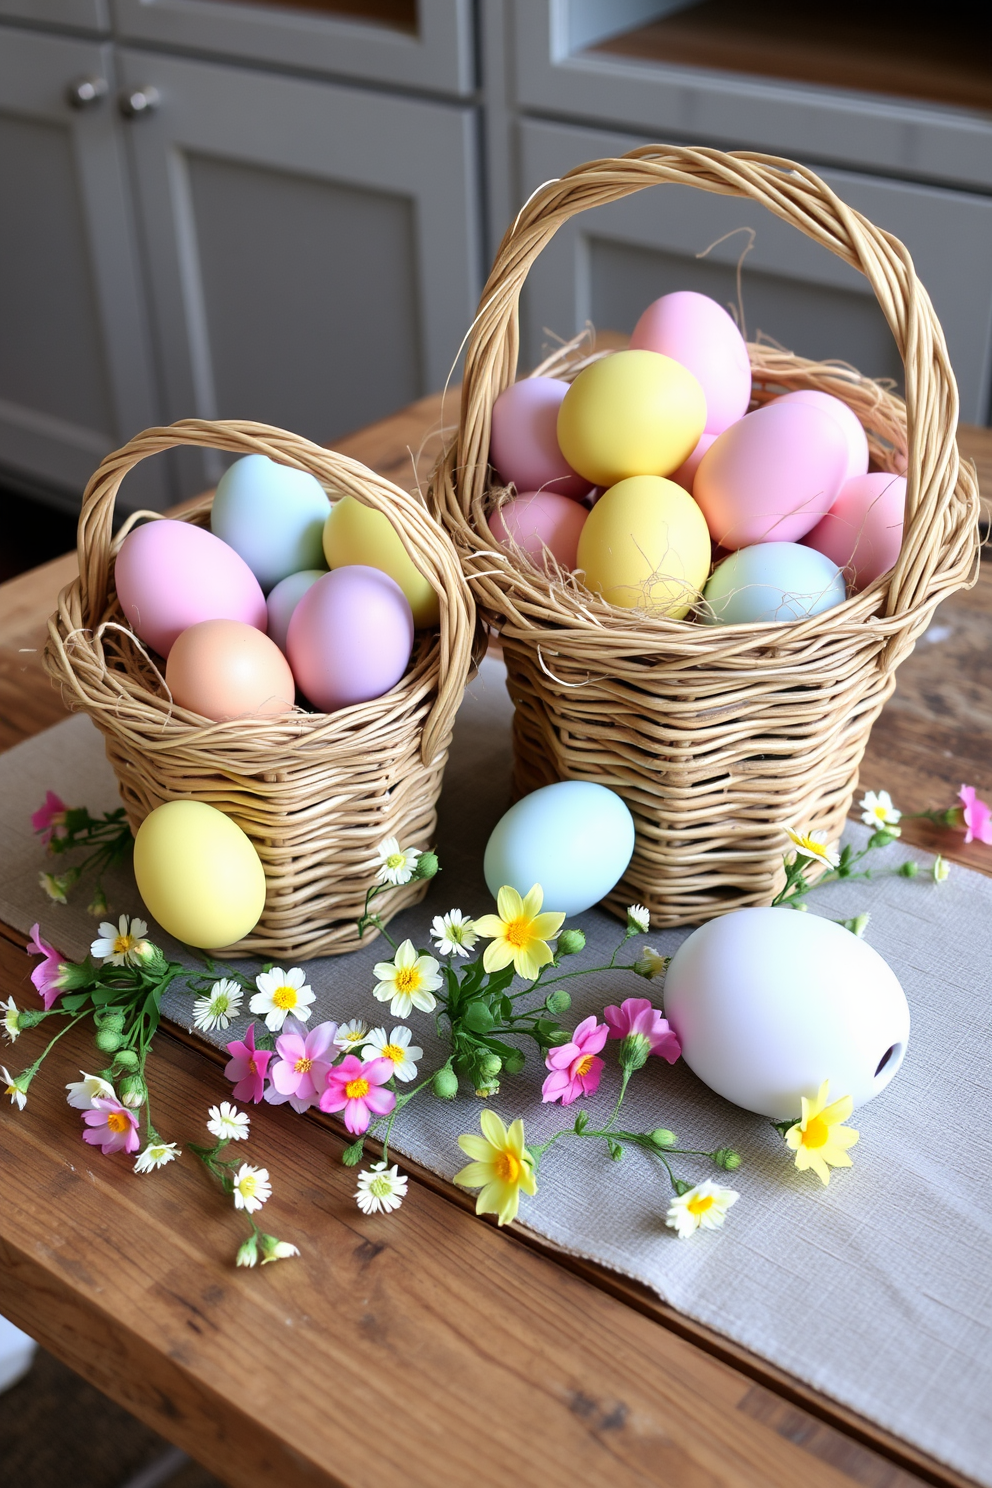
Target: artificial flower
x=976 y=816
x=941 y=869
x=10 y=1016
x=703 y=1207
x=301 y=1068
x=297 y=1103
x=49 y=819
x=280 y=993
x=380 y=1190
x=277 y=1250
x=500 y=1168
x=650 y=964
x=397 y=1048
x=112 y=1127
x=575 y=1067
x=82 y=1093
x=16 y=1087
x=356 y=1088
x=351 y=1034
x=878 y=811
x=124 y=946
x=819 y=1140
x=227 y=1123
x=220 y=1005
x=251 y=1188
x=398 y=863
x=519 y=932
x=156 y=1155
x=638 y=920
x=46 y=976
x=247 y=1067
x=454 y=933
x=813 y=845
x=635 y=1018
x=408 y=981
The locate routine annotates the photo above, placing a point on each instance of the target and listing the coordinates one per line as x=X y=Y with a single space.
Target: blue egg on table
x=272 y=516
x=283 y=599
x=574 y=838
x=772 y=581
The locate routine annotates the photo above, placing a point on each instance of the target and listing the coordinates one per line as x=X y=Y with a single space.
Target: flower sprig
x=65 y=829
x=248 y=1186
x=878 y=812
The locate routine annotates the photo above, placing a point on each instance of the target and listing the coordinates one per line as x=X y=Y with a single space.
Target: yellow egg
x=646 y=546
x=198 y=874
x=354 y=533
x=633 y=413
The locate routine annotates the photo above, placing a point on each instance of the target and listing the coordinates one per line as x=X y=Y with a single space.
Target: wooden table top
x=430 y=1348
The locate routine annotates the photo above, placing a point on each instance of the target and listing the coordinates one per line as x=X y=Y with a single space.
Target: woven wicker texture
x=315 y=792
x=716 y=737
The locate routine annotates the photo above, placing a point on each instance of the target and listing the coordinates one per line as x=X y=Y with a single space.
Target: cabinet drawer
x=80 y=15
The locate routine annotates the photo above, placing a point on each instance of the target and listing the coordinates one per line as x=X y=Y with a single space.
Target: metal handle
x=139 y=101
x=85 y=92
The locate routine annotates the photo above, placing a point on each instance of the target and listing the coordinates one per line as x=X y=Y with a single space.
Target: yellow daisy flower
x=813 y=845
x=519 y=933
x=818 y=1140
x=502 y=1166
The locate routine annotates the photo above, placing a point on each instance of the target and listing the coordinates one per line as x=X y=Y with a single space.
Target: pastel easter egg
x=198 y=874
x=171 y=575
x=574 y=838
x=225 y=669
x=632 y=413
x=645 y=546
x=862 y=531
x=771 y=476
x=697 y=332
x=350 y=637
x=355 y=535
x=775 y=581
x=523 y=442
x=686 y=473
x=838 y=410
x=272 y=515
x=539 y=520
x=283 y=599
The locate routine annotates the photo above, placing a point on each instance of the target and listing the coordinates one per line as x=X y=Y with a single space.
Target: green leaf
x=73 y=1003
x=616 y=1151
x=478 y=1017
x=505 y=1008
x=581 y=1122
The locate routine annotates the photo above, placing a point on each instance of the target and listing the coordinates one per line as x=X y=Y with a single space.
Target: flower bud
x=445 y=1083
x=126 y=1059
x=98 y=904
x=276 y=1250
x=427 y=865
x=490 y=1066
x=113 y=1019
x=634 y=1051
x=147 y=955
x=909 y=870
x=941 y=869
x=133 y=1091
x=650 y=964
x=726 y=1157
x=248 y=1252
x=662 y=1137
x=490 y=1088
x=570 y=942
x=514 y=1062
x=72 y=976
x=559 y=1001
x=107 y=1040
x=29 y=1018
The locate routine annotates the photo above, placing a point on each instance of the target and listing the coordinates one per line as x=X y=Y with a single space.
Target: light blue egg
x=772 y=581
x=575 y=839
x=272 y=515
x=284 y=598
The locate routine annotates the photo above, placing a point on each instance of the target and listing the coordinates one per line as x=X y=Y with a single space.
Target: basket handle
x=427 y=545
x=797 y=196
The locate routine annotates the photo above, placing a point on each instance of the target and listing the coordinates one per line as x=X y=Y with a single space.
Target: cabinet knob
x=85 y=92
x=139 y=101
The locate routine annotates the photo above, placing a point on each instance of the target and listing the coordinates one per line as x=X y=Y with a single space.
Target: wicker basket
x=315 y=792
x=716 y=738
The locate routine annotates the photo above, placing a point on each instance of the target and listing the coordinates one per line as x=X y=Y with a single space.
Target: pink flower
x=247 y=1067
x=301 y=1069
x=49 y=819
x=977 y=816
x=112 y=1126
x=355 y=1088
x=45 y=975
x=637 y=1016
x=575 y=1067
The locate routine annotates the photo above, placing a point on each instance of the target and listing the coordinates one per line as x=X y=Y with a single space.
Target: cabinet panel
x=83 y=15
x=607 y=264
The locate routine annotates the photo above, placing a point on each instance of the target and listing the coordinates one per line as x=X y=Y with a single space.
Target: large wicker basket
x=315 y=792
x=716 y=738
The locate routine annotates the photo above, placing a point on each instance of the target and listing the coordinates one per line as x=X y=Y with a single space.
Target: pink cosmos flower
x=49 y=819
x=112 y=1127
x=575 y=1067
x=355 y=1087
x=247 y=1067
x=301 y=1069
x=636 y=1015
x=977 y=816
x=45 y=975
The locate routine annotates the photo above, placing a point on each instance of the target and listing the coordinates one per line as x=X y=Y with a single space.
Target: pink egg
x=857 y=439
x=686 y=473
x=171 y=575
x=696 y=331
x=350 y=637
x=539 y=519
x=862 y=532
x=771 y=476
x=523 y=445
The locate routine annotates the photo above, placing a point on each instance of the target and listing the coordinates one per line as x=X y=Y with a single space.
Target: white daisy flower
x=454 y=933
x=408 y=981
x=251 y=1188
x=156 y=1155
x=638 y=919
x=380 y=1190
x=351 y=1034
x=704 y=1206
x=277 y=1250
x=10 y=1027
x=227 y=1123
x=219 y=1006
x=650 y=964
x=18 y=1092
x=814 y=845
x=123 y=946
x=82 y=1093
x=280 y=993
x=396 y=1047
x=398 y=863
x=878 y=811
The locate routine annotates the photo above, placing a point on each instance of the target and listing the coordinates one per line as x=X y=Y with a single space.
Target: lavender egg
x=350 y=637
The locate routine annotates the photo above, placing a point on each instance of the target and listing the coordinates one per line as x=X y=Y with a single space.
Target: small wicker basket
x=315 y=792
x=717 y=738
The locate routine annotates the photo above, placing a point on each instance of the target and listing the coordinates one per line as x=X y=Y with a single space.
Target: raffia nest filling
x=315 y=792
x=716 y=737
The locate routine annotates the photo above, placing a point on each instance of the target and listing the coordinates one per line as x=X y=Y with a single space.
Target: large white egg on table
x=769 y=1003
x=573 y=838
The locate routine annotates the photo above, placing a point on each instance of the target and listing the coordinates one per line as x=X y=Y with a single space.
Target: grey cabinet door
x=82 y=15
x=606 y=265
x=75 y=369
x=313 y=249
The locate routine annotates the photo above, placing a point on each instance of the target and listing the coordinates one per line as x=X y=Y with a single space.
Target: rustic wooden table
x=436 y=1350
